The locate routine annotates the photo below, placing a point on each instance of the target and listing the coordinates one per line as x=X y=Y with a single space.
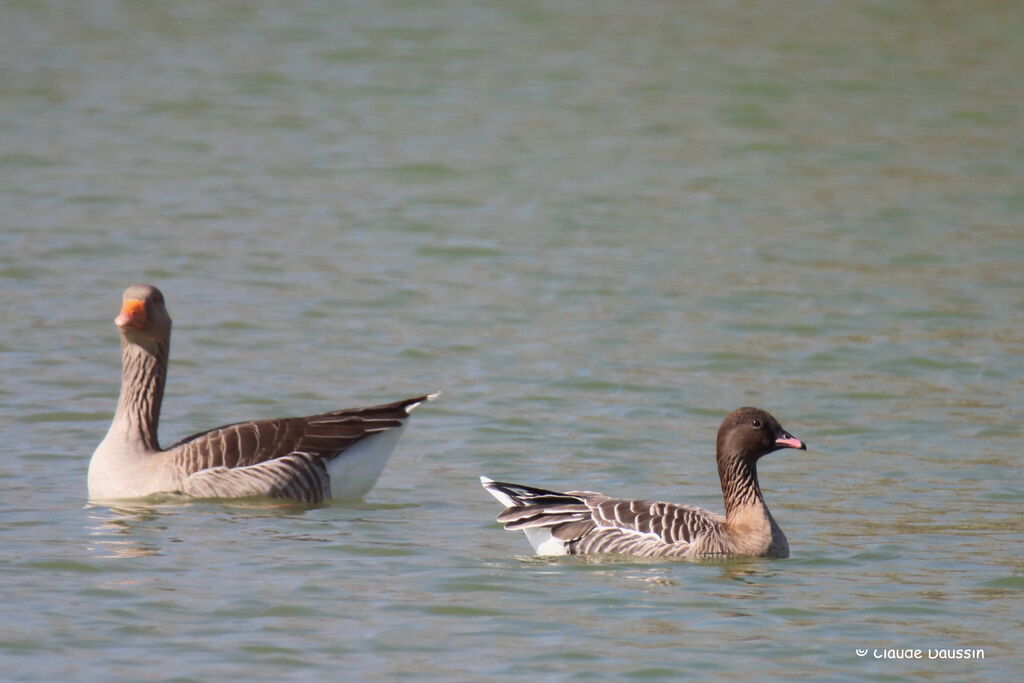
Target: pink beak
x=789 y=441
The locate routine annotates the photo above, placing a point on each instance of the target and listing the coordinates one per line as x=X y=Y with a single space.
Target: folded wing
x=584 y=522
x=281 y=458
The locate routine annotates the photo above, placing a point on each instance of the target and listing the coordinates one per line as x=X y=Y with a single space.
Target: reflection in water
x=750 y=573
x=133 y=529
x=748 y=570
x=123 y=533
x=136 y=529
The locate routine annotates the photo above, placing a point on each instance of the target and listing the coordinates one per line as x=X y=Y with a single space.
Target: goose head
x=751 y=433
x=143 y=319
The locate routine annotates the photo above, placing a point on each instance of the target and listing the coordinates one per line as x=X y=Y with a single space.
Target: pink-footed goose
x=333 y=455
x=584 y=522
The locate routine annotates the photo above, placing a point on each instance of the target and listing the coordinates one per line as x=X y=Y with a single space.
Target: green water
x=597 y=227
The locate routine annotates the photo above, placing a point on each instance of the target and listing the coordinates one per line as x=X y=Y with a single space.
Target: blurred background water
x=598 y=227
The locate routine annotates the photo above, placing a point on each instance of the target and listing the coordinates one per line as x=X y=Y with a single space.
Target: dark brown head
x=750 y=433
x=143 y=319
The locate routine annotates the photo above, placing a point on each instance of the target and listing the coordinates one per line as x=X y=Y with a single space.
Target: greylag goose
x=584 y=522
x=338 y=454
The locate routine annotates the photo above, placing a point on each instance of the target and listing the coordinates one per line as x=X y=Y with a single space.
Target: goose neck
x=740 y=487
x=143 y=373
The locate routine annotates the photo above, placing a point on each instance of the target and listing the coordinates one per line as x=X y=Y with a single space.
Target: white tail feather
x=498 y=494
x=413 y=406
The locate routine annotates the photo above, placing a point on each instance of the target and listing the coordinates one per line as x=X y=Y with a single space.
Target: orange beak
x=132 y=316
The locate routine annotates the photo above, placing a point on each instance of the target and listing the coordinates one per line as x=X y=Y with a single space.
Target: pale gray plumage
x=338 y=454
x=585 y=522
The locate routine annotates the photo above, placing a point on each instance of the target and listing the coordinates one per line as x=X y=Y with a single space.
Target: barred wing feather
x=585 y=522
x=297 y=476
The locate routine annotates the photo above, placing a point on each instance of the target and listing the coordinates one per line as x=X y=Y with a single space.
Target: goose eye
x=756 y=423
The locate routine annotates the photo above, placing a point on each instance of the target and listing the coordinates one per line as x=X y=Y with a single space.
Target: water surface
x=598 y=228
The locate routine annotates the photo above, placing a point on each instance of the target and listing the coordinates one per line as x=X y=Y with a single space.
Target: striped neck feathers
x=143 y=375
x=740 y=487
